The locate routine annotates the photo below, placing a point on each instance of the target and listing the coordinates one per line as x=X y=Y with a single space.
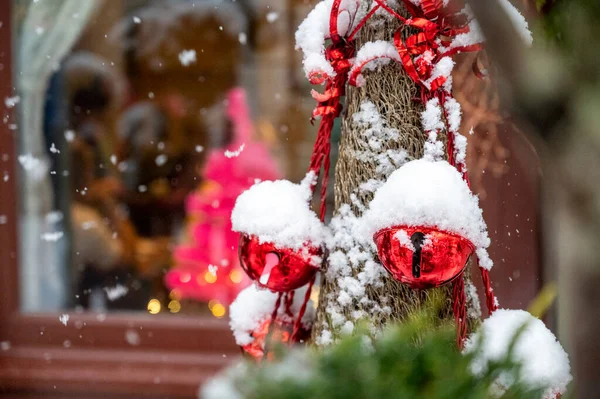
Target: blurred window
x=130 y=128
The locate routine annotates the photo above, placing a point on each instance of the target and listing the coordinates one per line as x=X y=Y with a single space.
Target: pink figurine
x=207 y=268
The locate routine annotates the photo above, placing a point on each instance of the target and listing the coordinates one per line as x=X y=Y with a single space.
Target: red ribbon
x=460 y=310
x=328 y=108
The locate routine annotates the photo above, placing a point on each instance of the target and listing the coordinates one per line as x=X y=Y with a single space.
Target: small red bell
x=281 y=334
x=278 y=269
x=422 y=257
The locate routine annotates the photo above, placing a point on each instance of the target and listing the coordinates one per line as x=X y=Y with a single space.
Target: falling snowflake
x=236 y=153
x=187 y=57
x=161 y=160
x=10 y=102
x=116 y=292
x=132 y=337
x=69 y=135
x=52 y=237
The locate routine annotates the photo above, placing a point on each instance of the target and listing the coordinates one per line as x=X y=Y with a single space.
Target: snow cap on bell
x=544 y=363
x=429 y=194
x=279 y=212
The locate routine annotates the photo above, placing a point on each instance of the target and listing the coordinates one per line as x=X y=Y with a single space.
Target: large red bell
x=422 y=257
x=278 y=269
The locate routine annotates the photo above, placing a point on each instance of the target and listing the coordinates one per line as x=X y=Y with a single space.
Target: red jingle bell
x=422 y=257
x=281 y=334
x=278 y=269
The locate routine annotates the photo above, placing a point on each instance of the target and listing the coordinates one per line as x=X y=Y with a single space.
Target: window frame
x=40 y=355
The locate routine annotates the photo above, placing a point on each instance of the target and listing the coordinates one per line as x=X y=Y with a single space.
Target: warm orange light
x=153 y=306
x=210 y=277
x=212 y=303
x=218 y=310
x=236 y=276
x=174 y=306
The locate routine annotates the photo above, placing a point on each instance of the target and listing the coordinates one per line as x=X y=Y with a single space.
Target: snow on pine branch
x=279 y=212
x=544 y=363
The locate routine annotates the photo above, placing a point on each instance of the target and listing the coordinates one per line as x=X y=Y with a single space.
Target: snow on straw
x=254 y=305
x=431 y=118
x=279 y=212
x=352 y=262
x=431 y=194
x=544 y=363
x=373 y=55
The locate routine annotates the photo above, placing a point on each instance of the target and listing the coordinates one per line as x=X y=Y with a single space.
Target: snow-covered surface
x=232 y=383
x=279 y=212
x=442 y=68
x=223 y=385
x=373 y=55
x=431 y=118
x=352 y=260
x=454 y=115
x=518 y=21
x=375 y=135
x=431 y=194
x=544 y=362
x=475 y=36
x=314 y=31
x=473 y=303
x=310 y=38
x=254 y=305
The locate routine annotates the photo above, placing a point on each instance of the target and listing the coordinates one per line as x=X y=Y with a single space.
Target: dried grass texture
x=393 y=93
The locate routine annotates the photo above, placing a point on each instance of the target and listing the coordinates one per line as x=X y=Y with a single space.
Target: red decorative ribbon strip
x=460 y=310
x=329 y=107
